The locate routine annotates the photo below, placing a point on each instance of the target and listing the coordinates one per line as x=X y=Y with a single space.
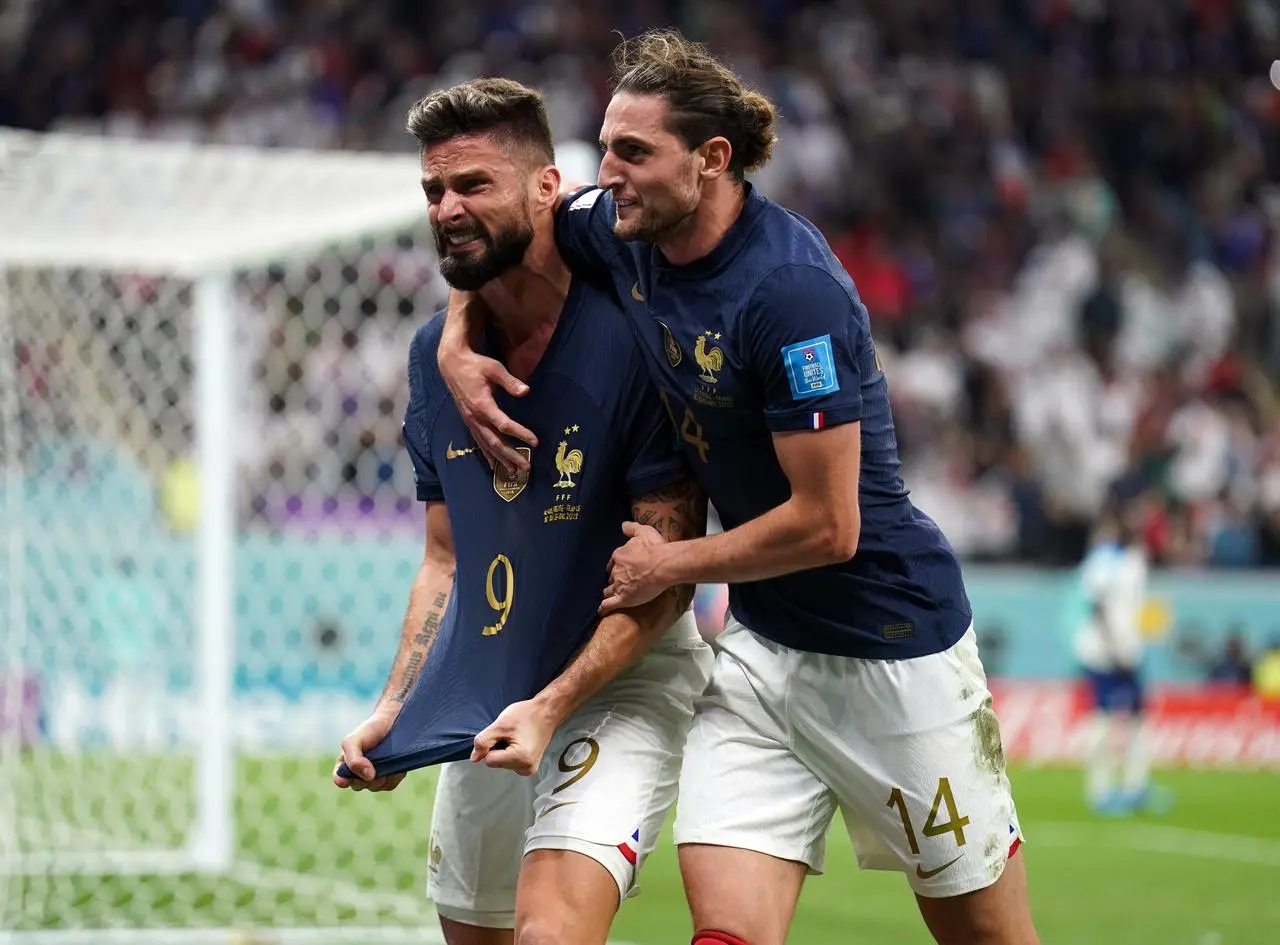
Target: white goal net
x=208 y=538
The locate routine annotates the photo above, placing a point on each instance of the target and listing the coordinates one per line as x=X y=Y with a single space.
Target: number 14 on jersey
x=690 y=429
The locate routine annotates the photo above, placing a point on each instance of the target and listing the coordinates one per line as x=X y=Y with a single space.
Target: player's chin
x=466 y=273
x=629 y=229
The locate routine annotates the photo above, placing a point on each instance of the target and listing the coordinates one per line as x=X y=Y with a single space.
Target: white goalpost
x=208 y=536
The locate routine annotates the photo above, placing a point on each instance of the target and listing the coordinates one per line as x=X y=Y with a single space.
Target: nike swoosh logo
x=550 y=807
x=635 y=293
x=451 y=453
x=929 y=874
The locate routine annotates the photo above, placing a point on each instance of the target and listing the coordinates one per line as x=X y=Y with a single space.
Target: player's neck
x=717 y=212
x=526 y=303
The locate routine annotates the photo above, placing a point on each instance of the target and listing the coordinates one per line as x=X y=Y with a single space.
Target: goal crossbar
x=148 y=206
x=199 y=213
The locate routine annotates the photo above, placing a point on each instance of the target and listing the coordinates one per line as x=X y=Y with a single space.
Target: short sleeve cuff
x=812 y=418
x=658 y=477
x=430 y=492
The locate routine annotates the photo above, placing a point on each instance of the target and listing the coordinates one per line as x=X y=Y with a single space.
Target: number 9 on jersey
x=500 y=590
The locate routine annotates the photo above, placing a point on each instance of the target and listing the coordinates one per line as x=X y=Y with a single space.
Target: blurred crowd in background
x=1060 y=213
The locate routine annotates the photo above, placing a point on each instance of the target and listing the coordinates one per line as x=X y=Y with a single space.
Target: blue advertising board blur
x=317 y=620
x=325 y=612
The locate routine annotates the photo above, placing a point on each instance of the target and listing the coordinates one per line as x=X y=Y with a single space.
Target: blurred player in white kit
x=1109 y=645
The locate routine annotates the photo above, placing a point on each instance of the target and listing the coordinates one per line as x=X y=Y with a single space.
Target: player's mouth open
x=463 y=242
x=625 y=206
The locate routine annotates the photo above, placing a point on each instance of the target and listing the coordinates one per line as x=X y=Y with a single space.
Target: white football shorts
x=604 y=788
x=909 y=750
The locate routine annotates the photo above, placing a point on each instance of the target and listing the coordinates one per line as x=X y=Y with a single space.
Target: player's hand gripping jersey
x=767 y=334
x=533 y=549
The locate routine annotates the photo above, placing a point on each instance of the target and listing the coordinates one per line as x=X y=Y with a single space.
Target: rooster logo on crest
x=711 y=360
x=568 y=462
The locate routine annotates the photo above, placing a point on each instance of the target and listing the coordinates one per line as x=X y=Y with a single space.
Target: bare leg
x=564 y=898
x=752 y=896
x=459 y=933
x=996 y=915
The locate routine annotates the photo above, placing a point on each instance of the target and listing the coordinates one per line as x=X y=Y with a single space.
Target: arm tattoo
x=431 y=626
x=421 y=647
x=678 y=512
x=409 y=676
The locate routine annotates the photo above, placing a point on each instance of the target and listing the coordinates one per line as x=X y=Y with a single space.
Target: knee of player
x=549 y=927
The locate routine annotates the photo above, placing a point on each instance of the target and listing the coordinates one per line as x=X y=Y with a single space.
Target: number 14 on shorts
x=943 y=802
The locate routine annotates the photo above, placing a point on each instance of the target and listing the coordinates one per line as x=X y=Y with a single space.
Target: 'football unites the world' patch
x=811 y=368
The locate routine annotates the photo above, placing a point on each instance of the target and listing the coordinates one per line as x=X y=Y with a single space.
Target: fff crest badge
x=508 y=486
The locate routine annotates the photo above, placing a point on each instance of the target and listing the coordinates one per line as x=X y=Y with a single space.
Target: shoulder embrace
x=584 y=198
x=424 y=372
x=427 y=335
x=584 y=227
x=585 y=207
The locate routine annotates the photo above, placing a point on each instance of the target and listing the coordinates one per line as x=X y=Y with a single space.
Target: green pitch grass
x=1206 y=874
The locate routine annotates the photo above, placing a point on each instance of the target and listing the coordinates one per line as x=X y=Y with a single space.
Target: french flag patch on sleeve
x=817 y=421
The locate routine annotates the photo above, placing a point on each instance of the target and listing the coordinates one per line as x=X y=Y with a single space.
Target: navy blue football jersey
x=767 y=334
x=532 y=550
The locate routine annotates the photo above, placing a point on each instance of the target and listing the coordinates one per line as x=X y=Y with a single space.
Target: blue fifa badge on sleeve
x=811 y=368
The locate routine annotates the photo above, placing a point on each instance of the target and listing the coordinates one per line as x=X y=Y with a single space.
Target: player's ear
x=715 y=153
x=549 y=186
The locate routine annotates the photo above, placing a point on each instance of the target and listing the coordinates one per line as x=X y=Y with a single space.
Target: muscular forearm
x=427 y=602
x=619 y=641
x=461 y=326
x=783 y=540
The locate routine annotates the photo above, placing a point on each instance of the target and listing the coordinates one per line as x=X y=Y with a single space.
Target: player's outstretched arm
x=818 y=525
x=427 y=602
x=619 y=640
x=471 y=378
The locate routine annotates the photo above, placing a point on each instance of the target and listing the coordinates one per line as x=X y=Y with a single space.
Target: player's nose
x=450 y=209
x=610 y=174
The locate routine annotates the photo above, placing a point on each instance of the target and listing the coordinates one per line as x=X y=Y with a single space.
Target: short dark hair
x=707 y=99
x=512 y=113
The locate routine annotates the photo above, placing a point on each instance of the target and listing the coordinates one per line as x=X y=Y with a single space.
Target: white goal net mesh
x=103 y=249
